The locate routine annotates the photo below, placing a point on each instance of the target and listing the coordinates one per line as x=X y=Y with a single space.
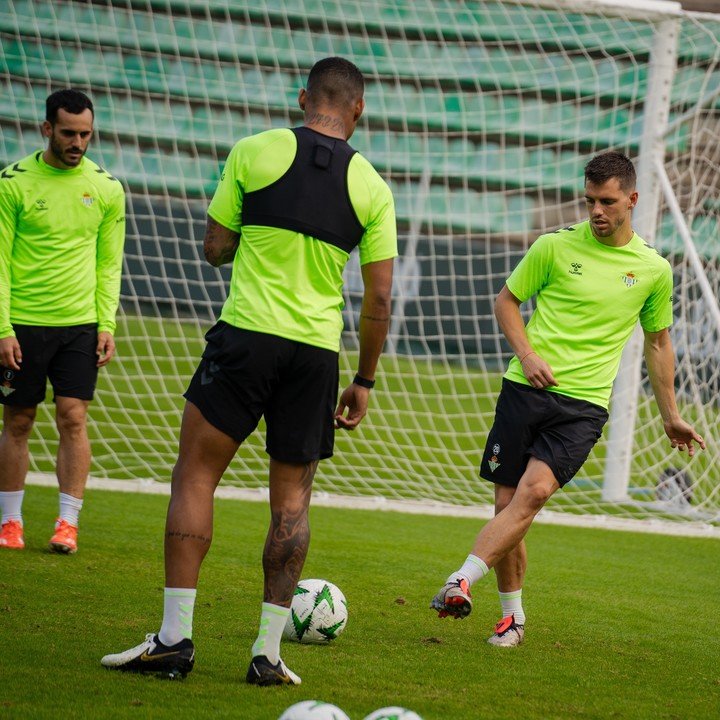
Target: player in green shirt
x=290 y=207
x=592 y=283
x=62 y=230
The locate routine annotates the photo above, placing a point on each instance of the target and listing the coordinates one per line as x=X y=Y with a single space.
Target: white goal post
x=481 y=115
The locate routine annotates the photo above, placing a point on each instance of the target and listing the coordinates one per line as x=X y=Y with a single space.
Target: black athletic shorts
x=67 y=356
x=244 y=375
x=559 y=430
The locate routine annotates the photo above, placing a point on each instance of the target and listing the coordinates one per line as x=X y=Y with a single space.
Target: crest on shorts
x=5 y=387
x=494 y=461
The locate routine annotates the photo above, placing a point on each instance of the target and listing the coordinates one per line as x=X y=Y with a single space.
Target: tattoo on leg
x=181 y=535
x=287 y=545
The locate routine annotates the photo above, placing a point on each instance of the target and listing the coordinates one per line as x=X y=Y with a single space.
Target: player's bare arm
x=507 y=312
x=220 y=243
x=660 y=361
x=10 y=353
x=374 y=323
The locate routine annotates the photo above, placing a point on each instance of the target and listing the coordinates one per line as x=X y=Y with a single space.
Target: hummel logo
x=575 y=268
x=207 y=374
x=15 y=168
x=41 y=204
x=103 y=171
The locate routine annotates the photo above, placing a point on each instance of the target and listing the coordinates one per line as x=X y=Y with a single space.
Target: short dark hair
x=73 y=101
x=335 y=81
x=609 y=165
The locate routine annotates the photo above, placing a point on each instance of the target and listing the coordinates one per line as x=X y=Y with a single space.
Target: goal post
x=626 y=390
x=481 y=116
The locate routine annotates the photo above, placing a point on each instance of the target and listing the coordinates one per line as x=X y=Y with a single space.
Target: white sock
x=179 y=604
x=11 y=505
x=473 y=570
x=511 y=604
x=70 y=508
x=272 y=623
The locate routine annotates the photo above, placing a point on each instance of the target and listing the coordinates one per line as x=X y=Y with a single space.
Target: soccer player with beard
x=592 y=283
x=291 y=205
x=62 y=231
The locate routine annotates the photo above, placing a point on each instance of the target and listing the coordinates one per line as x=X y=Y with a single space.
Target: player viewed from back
x=62 y=231
x=592 y=283
x=290 y=206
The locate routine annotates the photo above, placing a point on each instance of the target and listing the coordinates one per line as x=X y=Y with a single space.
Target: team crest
x=494 y=462
x=5 y=388
x=629 y=279
x=87 y=199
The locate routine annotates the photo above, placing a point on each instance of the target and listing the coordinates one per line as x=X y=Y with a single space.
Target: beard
x=608 y=229
x=62 y=155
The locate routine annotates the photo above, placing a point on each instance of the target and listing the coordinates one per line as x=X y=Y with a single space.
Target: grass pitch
x=620 y=625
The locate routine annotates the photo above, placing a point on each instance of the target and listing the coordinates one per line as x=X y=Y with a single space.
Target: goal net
x=481 y=116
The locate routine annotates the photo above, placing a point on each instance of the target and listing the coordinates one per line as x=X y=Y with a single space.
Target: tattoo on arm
x=220 y=244
x=375 y=319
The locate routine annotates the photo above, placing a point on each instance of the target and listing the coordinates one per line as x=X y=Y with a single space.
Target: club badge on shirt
x=629 y=279
x=87 y=199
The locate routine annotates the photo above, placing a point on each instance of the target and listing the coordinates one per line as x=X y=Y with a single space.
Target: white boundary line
x=411 y=507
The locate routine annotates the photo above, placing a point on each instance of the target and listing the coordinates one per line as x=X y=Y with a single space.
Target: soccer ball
x=318 y=613
x=393 y=713
x=313 y=710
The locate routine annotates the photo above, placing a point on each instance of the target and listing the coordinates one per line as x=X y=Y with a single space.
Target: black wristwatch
x=363 y=382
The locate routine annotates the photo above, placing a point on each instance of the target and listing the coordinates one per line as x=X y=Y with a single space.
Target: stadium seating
x=159 y=77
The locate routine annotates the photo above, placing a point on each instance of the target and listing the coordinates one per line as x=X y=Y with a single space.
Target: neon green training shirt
x=61 y=242
x=283 y=282
x=589 y=299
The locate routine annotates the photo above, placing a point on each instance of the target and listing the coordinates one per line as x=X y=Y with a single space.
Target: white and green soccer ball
x=318 y=613
x=393 y=713
x=313 y=710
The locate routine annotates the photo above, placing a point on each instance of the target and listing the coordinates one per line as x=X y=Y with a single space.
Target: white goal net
x=481 y=116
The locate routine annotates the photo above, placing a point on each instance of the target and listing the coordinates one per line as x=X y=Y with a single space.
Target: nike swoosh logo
x=147 y=658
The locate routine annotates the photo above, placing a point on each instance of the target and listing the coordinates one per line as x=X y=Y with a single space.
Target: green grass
x=422 y=439
x=620 y=625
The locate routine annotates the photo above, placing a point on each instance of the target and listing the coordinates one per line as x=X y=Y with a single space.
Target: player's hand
x=682 y=435
x=354 y=399
x=10 y=353
x=105 y=348
x=537 y=371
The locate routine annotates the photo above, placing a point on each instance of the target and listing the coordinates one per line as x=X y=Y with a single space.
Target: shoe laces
x=65 y=529
x=12 y=529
